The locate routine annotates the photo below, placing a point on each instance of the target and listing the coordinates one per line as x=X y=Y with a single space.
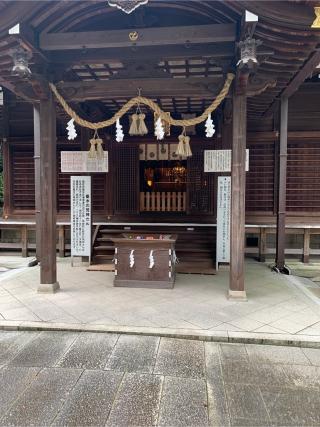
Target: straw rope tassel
x=180 y=148
x=146 y=101
x=92 y=151
x=187 y=149
x=100 y=152
x=134 y=125
x=142 y=125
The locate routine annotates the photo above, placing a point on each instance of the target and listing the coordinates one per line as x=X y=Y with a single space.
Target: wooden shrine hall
x=241 y=77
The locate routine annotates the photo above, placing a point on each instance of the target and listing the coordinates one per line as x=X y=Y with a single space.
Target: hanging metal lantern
x=248 y=52
x=21 y=63
x=127 y=6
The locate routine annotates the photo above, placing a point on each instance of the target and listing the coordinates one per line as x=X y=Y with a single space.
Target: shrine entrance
x=96 y=79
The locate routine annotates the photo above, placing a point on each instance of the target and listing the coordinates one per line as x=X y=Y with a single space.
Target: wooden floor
x=101 y=267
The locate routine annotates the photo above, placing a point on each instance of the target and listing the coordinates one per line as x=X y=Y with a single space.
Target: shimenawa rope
x=146 y=101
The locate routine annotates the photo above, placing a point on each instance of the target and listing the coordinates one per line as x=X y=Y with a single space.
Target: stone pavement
x=197 y=303
x=82 y=379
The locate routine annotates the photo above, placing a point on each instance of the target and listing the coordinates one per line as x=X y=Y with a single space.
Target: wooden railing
x=262 y=250
x=163 y=201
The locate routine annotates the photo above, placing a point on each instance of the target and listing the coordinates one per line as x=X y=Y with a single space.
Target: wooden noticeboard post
x=223 y=220
x=81 y=217
x=220 y=161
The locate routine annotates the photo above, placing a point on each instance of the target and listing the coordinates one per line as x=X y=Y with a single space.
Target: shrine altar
x=145 y=261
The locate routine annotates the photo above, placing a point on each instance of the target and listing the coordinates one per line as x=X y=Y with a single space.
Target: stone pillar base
x=48 y=288
x=237 y=295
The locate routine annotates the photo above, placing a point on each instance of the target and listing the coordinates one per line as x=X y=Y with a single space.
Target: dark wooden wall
x=117 y=194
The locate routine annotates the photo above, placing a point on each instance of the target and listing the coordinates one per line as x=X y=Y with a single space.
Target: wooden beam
x=4 y=83
x=282 y=184
x=48 y=267
x=248 y=24
x=26 y=37
x=238 y=184
x=85 y=56
x=305 y=72
x=185 y=35
x=169 y=87
x=17 y=11
x=33 y=89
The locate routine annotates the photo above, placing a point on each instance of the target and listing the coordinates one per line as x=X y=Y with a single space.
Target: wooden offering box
x=145 y=260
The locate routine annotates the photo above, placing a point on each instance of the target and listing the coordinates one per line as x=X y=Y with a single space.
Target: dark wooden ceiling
x=283 y=27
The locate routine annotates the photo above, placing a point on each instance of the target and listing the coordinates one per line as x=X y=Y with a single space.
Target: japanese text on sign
x=220 y=160
x=80 y=216
x=223 y=219
x=79 y=161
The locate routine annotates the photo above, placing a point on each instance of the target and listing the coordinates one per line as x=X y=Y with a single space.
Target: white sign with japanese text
x=220 y=160
x=81 y=216
x=223 y=219
x=79 y=161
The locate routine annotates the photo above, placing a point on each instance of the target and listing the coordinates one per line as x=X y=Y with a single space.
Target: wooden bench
x=24 y=245
x=302 y=229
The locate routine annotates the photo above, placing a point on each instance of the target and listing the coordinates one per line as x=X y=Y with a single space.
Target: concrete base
x=237 y=295
x=78 y=261
x=48 y=288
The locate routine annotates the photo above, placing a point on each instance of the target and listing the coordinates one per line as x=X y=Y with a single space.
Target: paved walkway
x=197 y=303
x=97 y=379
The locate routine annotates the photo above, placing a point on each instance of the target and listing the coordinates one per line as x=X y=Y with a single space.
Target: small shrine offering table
x=145 y=260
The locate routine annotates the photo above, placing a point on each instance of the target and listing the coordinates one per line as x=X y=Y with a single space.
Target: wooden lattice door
x=200 y=185
x=126 y=179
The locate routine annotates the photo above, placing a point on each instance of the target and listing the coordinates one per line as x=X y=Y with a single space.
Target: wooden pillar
x=306 y=245
x=7 y=170
x=36 y=137
x=282 y=187
x=24 y=240
x=262 y=244
x=238 y=182
x=48 y=234
x=61 y=241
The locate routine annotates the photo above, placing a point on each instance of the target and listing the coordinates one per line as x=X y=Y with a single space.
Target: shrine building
x=187 y=115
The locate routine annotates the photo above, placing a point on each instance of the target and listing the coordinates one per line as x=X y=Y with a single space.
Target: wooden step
x=159 y=231
x=195 y=248
x=186 y=268
x=104 y=248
